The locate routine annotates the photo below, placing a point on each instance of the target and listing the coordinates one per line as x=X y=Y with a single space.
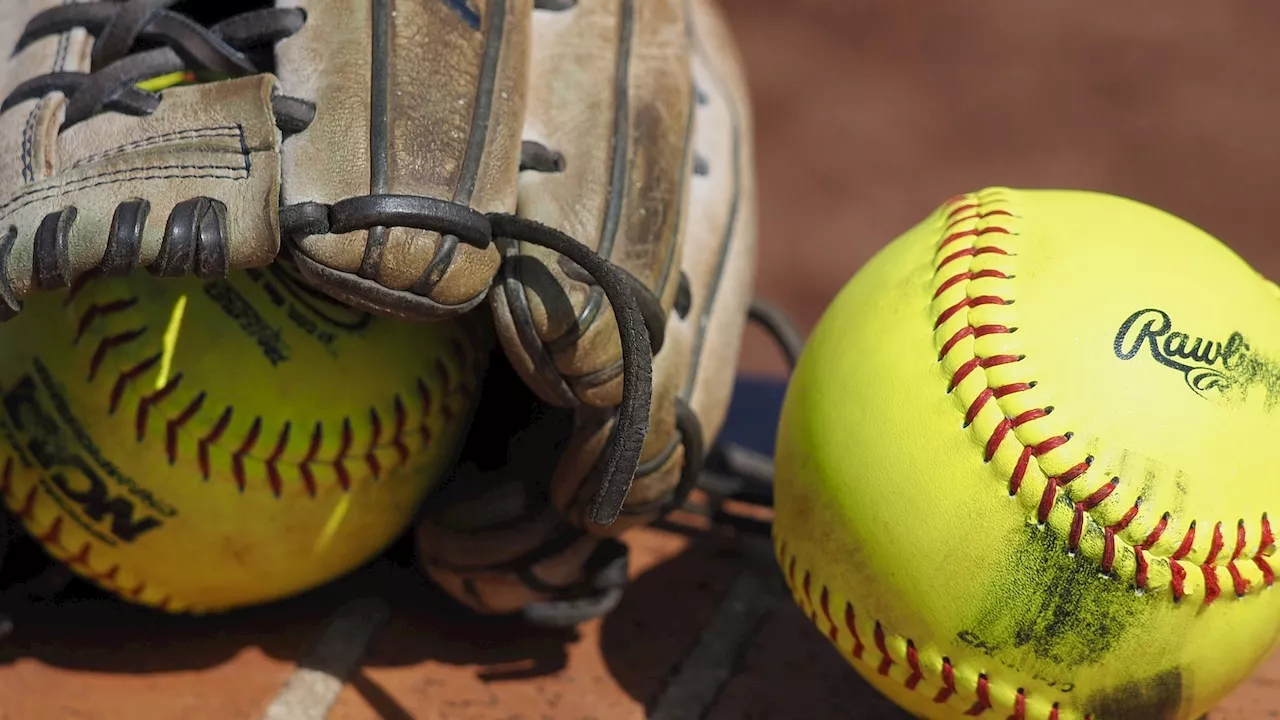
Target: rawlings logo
x=1205 y=364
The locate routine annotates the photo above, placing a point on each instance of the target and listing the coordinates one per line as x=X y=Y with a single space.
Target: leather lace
x=138 y=40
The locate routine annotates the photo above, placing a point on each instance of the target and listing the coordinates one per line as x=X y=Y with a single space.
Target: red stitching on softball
x=173 y=425
x=1020 y=705
x=397 y=435
x=28 y=510
x=339 y=462
x=273 y=460
x=968 y=209
x=127 y=377
x=1178 y=579
x=210 y=438
x=913 y=662
x=146 y=402
x=886 y=661
x=977 y=232
x=52 y=536
x=1212 y=588
x=971 y=252
x=308 y=477
x=965 y=277
x=371 y=454
x=983 y=703
x=1240 y=540
x=426 y=396
x=97 y=311
x=833 y=632
x=237 y=457
x=948 y=682
x=107 y=344
x=858 y=647
x=1156 y=532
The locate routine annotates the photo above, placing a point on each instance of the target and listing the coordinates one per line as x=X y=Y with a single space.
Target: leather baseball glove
x=580 y=169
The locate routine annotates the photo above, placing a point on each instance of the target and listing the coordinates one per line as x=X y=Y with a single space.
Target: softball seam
x=78 y=559
x=899 y=655
x=974 y=264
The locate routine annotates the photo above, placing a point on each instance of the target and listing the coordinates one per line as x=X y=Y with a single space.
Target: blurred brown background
x=867 y=116
x=871 y=113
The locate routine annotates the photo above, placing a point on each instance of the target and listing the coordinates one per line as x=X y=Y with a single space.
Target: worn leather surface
x=216 y=141
x=433 y=109
x=515 y=533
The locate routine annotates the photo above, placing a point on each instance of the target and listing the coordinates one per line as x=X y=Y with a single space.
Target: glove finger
x=97 y=175
x=606 y=161
x=694 y=372
x=440 y=121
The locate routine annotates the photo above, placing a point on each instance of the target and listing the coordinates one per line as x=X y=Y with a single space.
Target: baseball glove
x=583 y=167
x=644 y=108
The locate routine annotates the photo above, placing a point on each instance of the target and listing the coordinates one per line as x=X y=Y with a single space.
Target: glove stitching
x=213 y=131
x=44 y=192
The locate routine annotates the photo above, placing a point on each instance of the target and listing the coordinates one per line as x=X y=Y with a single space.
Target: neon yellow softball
x=202 y=445
x=1027 y=465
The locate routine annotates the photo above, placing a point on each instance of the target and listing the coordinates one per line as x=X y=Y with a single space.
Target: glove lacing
x=239 y=46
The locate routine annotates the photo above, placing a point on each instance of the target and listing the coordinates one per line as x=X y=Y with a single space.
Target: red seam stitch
x=1020 y=705
x=171 y=427
x=1212 y=588
x=273 y=460
x=851 y=626
x=1267 y=540
x=127 y=377
x=1047 y=498
x=212 y=437
x=1140 y=572
x=371 y=456
x=1019 y=471
x=1097 y=496
x=98 y=311
x=824 y=601
x=1268 y=575
x=1156 y=532
x=1108 y=550
x=397 y=438
x=1119 y=525
x=976 y=406
x=340 y=461
x=52 y=536
x=1178 y=576
x=1216 y=545
x=146 y=402
x=971 y=252
x=983 y=703
x=107 y=344
x=913 y=662
x=308 y=477
x=28 y=511
x=1187 y=540
x=1240 y=540
x=1077 y=528
x=1238 y=583
x=237 y=457
x=886 y=661
x=976 y=232
x=948 y=682
x=966 y=276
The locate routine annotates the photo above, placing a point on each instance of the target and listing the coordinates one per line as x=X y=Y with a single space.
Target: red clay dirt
x=868 y=115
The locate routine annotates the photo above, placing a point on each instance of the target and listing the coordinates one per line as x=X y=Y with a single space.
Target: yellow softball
x=1026 y=462
x=202 y=445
